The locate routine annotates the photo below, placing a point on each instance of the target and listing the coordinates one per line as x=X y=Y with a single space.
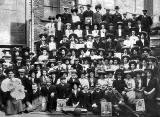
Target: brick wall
x=38 y=15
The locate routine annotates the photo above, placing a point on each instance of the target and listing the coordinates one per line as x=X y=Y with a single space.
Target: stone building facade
x=132 y=6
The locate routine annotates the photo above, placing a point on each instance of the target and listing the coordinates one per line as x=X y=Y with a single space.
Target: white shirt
x=78 y=32
x=68 y=32
x=133 y=40
x=103 y=32
x=51 y=28
x=89 y=44
x=75 y=19
x=52 y=46
x=59 y=26
x=102 y=82
x=95 y=33
x=119 y=32
x=130 y=83
x=84 y=82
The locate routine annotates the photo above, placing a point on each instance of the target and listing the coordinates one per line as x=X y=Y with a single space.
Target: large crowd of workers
x=84 y=57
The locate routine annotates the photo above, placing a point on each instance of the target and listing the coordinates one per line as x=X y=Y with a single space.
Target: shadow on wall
x=18 y=34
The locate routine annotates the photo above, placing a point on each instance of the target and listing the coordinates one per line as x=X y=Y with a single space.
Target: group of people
x=84 y=58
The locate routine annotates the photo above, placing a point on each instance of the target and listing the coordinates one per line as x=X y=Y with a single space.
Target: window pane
x=53 y=3
x=48 y=11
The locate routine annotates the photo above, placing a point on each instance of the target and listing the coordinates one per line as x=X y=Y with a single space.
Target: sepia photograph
x=80 y=58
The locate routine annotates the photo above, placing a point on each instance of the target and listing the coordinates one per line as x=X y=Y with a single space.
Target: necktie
x=67 y=67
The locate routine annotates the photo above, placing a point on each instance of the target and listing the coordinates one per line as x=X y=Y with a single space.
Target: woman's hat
x=51 y=18
x=135 y=48
x=44 y=48
x=43 y=34
x=73 y=35
x=15 y=49
x=98 y=6
x=119 y=72
x=58 y=15
x=63 y=48
x=144 y=10
x=88 y=5
x=146 y=49
x=109 y=35
x=74 y=10
x=116 y=7
x=116 y=58
x=101 y=72
x=152 y=58
x=109 y=71
x=132 y=62
x=27 y=49
x=38 y=63
x=128 y=57
x=2 y=61
x=52 y=72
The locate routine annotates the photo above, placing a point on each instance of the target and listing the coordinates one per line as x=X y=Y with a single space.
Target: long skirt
x=14 y=107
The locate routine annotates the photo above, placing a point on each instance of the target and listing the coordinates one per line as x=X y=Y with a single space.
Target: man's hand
x=94 y=105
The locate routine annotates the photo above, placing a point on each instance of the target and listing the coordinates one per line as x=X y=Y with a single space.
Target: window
x=51 y=8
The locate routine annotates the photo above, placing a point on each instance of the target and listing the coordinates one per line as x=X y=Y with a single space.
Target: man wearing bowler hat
x=117 y=16
x=146 y=20
x=88 y=15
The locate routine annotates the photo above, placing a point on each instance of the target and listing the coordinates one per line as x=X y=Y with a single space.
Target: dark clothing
x=78 y=68
x=117 y=18
x=86 y=32
x=98 y=45
x=2 y=96
x=146 y=22
x=97 y=18
x=87 y=14
x=107 y=18
x=62 y=91
x=85 y=100
x=52 y=100
x=119 y=85
x=66 y=18
x=74 y=98
x=28 y=87
x=96 y=99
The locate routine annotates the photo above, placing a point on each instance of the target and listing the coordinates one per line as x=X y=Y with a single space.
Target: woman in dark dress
x=149 y=92
x=85 y=99
x=74 y=98
x=119 y=83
